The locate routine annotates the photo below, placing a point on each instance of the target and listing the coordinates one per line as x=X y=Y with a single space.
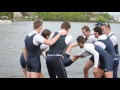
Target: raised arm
x=68 y=51
x=54 y=40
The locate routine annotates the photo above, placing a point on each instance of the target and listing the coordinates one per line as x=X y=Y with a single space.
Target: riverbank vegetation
x=62 y=16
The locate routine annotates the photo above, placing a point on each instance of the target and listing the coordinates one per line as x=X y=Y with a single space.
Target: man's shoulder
x=69 y=35
x=113 y=37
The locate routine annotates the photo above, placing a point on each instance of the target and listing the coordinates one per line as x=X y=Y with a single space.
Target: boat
x=5 y=20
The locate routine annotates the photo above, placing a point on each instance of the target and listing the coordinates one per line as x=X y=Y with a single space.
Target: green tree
x=9 y=14
x=107 y=16
x=101 y=19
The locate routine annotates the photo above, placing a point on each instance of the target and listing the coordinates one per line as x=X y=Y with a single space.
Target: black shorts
x=33 y=64
x=100 y=59
x=102 y=64
x=105 y=63
x=22 y=61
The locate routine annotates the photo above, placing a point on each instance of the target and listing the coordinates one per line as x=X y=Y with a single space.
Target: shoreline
x=62 y=21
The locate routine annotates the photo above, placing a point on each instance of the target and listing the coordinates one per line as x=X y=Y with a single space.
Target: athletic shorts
x=33 y=64
x=22 y=61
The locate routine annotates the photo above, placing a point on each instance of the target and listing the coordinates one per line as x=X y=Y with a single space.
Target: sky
x=114 y=13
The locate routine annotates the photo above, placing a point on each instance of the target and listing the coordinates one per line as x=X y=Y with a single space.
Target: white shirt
x=44 y=47
x=113 y=38
x=88 y=47
x=91 y=38
x=68 y=38
x=101 y=44
x=37 y=39
x=102 y=37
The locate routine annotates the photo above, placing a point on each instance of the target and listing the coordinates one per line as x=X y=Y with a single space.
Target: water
x=12 y=40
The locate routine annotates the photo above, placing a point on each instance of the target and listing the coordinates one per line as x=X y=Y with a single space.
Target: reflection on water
x=12 y=39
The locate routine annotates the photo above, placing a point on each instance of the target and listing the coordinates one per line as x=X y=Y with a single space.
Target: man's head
x=86 y=31
x=105 y=28
x=97 y=31
x=81 y=40
x=66 y=25
x=38 y=25
x=46 y=33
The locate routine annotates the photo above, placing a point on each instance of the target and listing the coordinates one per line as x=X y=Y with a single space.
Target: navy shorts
x=100 y=59
x=33 y=64
x=22 y=61
x=105 y=63
x=67 y=61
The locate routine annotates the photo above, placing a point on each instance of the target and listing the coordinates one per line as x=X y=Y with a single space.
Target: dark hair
x=86 y=28
x=81 y=39
x=98 y=29
x=45 y=33
x=37 y=23
x=65 y=25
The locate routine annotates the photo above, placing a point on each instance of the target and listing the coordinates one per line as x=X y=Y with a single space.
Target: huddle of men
x=101 y=44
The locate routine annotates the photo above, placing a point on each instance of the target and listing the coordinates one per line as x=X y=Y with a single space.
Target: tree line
x=64 y=16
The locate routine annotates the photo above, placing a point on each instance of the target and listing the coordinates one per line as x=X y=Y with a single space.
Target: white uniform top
x=89 y=47
x=68 y=38
x=101 y=44
x=113 y=38
x=91 y=38
x=38 y=39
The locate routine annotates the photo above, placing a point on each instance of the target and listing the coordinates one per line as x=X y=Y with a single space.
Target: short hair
x=65 y=25
x=86 y=28
x=98 y=29
x=46 y=33
x=37 y=23
x=81 y=39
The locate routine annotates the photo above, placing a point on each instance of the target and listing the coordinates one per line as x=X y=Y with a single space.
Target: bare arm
x=74 y=58
x=25 y=53
x=53 y=40
x=68 y=51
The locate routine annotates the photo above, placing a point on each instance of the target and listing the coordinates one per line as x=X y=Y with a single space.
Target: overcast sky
x=114 y=13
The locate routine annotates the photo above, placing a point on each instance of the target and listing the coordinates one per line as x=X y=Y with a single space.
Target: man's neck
x=36 y=30
x=88 y=35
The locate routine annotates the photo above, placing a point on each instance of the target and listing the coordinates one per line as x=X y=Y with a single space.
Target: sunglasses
x=106 y=24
